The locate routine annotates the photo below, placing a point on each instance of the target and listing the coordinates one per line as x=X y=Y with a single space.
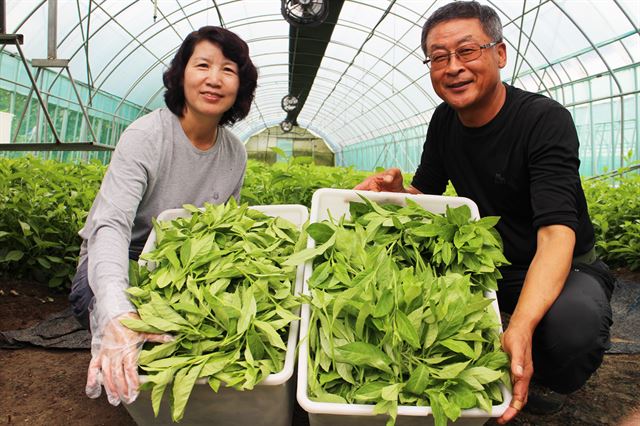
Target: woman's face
x=211 y=82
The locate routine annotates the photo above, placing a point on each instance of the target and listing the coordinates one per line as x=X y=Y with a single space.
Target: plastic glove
x=114 y=361
x=388 y=181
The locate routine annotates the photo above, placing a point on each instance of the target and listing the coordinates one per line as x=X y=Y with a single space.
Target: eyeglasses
x=466 y=53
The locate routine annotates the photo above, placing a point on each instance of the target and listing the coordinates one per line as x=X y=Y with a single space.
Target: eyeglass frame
x=489 y=45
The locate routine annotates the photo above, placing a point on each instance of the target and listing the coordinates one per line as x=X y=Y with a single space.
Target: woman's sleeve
x=109 y=223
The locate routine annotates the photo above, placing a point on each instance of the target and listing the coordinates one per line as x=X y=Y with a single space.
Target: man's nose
x=454 y=64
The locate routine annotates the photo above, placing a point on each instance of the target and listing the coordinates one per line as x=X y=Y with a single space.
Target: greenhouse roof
x=368 y=79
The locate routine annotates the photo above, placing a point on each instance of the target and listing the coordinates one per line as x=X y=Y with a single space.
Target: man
x=516 y=155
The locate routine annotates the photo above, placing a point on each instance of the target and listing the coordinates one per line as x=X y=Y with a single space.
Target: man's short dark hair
x=233 y=48
x=464 y=10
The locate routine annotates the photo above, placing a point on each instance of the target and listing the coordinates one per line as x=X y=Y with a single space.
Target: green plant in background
x=614 y=206
x=220 y=285
x=398 y=314
x=43 y=204
x=294 y=181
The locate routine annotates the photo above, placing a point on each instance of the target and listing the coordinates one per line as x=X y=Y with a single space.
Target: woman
x=172 y=156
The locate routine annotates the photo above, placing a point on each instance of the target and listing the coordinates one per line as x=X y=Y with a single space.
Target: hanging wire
x=215 y=4
x=369 y=36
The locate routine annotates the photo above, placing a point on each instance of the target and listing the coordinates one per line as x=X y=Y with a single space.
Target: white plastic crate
x=269 y=403
x=335 y=203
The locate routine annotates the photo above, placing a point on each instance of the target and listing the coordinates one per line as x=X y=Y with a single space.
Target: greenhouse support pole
x=52 y=29
x=3 y=20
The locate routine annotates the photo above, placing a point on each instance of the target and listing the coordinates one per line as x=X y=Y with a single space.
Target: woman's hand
x=114 y=361
x=517 y=344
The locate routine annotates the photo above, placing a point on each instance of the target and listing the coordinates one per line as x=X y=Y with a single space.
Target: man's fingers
x=516 y=369
x=362 y=186
x=508 y=415
x=516 y=404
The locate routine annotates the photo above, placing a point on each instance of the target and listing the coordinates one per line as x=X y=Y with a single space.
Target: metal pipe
x=38 y=94
x=3 y=20
x=52 y=29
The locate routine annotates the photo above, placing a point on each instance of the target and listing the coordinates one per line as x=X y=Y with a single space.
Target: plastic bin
x=269 y=403
x=336 y=201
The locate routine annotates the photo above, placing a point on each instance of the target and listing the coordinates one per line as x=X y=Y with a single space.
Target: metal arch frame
x=368 y=128
x=150 y=69
x=155 y=64
x=335 y=116
x=530 y=40
x=372 y=88
x=379 y=80
x=360 y=49
x=167 y=54
x=29 y=15
x=277 y=37
x=51 y=62
x=333 y=146
x=550 y=65
x=392 y=67
x=159 y=62
x=591 y=43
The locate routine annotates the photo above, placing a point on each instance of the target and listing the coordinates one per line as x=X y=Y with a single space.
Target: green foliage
x=398 y=314
x=43 y=204
x=293 y=182
x=220 y=286
x=614 y=206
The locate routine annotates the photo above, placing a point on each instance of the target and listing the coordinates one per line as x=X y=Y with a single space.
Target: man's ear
x=501 y=49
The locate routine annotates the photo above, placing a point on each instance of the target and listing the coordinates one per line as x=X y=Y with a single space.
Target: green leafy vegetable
x=222 y=286
x=398 y=312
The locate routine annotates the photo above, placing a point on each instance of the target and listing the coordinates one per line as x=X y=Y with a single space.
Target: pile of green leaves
x=614 y=206
x=220 y=285
x=43 y=205
x=398 y=314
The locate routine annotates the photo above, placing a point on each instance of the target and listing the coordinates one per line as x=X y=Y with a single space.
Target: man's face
x=468 y=87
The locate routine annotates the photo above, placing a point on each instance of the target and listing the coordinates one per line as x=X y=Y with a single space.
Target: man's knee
x=579 y=319
x=570 y=341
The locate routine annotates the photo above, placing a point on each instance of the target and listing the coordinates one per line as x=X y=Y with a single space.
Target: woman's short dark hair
x=234 y=48
x=488 y=18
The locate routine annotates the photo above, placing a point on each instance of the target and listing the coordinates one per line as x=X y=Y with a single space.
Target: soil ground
x=46 y=386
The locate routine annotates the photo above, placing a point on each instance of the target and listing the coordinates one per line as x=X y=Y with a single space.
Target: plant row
x=43 y=205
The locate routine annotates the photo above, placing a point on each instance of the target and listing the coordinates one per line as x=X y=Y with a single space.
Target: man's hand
x=517 y=344
x=114 y=361
x=388 y=181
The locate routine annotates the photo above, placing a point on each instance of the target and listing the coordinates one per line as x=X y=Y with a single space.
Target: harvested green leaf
x=220 y=283
x=397 y=295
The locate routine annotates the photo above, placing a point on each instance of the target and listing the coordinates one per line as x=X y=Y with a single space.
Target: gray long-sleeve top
x=153 y=168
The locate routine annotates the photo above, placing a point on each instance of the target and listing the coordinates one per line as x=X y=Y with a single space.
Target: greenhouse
x=320 y=212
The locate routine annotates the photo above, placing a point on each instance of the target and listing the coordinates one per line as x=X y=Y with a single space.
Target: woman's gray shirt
x=153 y=168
